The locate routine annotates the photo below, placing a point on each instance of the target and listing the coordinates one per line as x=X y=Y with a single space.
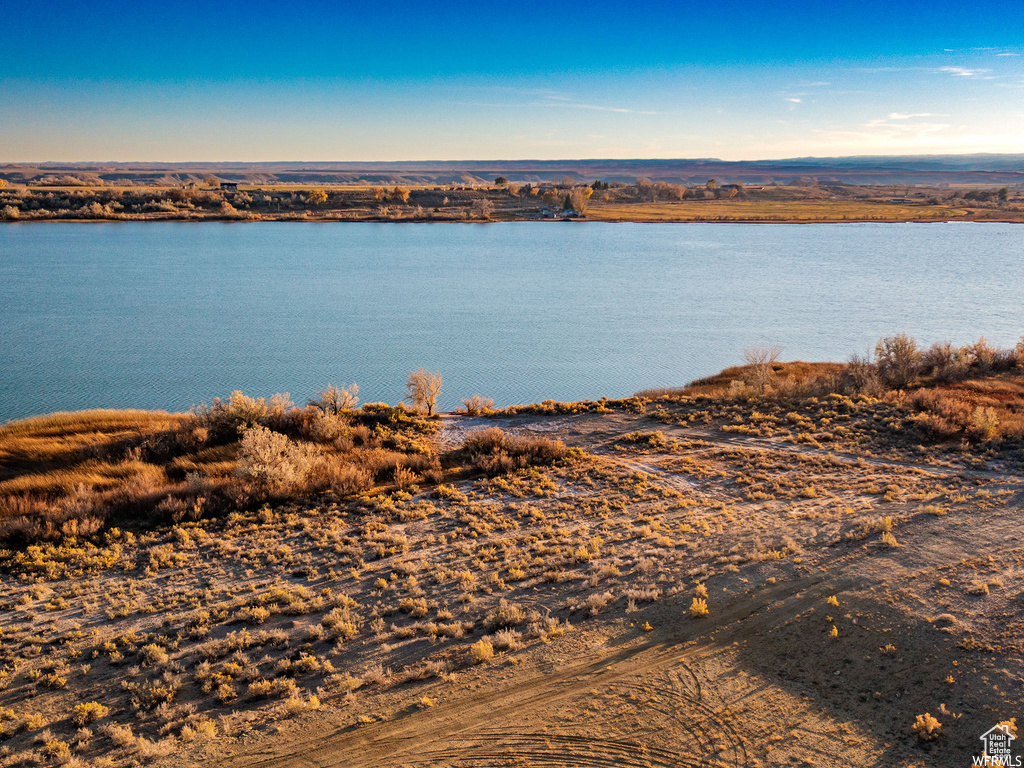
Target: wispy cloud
x=966 y=72
x=598 y=108
x=879 y=70
x=900 y=129
x=794 y=100
x=550 y=99
x=974 y=73
x=887 y=137
x=910 y=115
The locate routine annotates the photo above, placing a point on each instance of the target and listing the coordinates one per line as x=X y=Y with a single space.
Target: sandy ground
x=822 y=645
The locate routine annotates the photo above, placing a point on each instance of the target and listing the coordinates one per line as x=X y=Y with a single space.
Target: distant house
x=899 y=200
x=555 y=213
x=229 y=186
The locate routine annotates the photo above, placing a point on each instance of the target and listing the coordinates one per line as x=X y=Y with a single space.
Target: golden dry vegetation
x=788 y=211
x=644 y=200
x=783 y=564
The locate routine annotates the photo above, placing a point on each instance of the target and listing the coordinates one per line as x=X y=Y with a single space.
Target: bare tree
x=646 y=189
x=337 y=399
x=423 y=387
x=761 y=360
x=580 y=198
x=898 y=360
x=860 y=377
x=483 y=208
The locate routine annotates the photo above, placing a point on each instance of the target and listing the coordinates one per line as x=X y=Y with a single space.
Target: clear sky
x=175 y=81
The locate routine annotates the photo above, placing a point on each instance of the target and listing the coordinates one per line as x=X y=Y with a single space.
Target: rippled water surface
x=165 y=315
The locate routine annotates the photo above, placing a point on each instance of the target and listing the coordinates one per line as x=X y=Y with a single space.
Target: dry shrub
x=22 y=505
x=942 y=414
x=477 y=404
x=494 y=452
x=379 y=463
x=699 y=608
x=481 y=651
x=984 y=424
x=505 y=616
x=228 y=420
x=859 y=377
x=272 y=462
x=120 y=735
x=898 y=360
x=597 y=602
x=981 y=355
x=404 y=478
x=979 y=410
x=945 y=363
x=89 y=712
x=342 y=477
x=507 y=640
x=25 y=519
x=926 y=727
x=326 y=427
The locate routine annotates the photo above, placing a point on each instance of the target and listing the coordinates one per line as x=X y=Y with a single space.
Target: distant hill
x=928 y=170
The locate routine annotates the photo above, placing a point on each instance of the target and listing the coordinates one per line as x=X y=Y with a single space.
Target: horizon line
x=525 y=160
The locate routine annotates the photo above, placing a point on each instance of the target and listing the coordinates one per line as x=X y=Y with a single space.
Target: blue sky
x=412 y=81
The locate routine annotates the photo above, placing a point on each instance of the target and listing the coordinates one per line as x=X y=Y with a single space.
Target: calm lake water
x=166 y=315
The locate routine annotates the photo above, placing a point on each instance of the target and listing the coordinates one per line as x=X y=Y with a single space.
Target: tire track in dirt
x=781 y=446
x=748 y=442
x=480 y=727
x=603 y=697
x=636 y=705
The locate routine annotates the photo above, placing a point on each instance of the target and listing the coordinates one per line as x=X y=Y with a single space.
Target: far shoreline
x=580 y=220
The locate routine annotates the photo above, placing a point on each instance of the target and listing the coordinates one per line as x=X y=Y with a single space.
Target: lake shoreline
x=1012 y=218
x=579 y=220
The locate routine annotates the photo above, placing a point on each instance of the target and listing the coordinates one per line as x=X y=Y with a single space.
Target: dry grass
x=68 y=474
x=795 y=210
x=73 y=474
x=848 y=407
x=452 y=561
x=60 y=440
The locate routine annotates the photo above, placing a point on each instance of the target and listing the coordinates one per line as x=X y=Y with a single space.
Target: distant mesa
x=932 y=170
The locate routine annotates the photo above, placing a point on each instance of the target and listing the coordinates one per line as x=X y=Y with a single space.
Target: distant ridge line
x=979 y=168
